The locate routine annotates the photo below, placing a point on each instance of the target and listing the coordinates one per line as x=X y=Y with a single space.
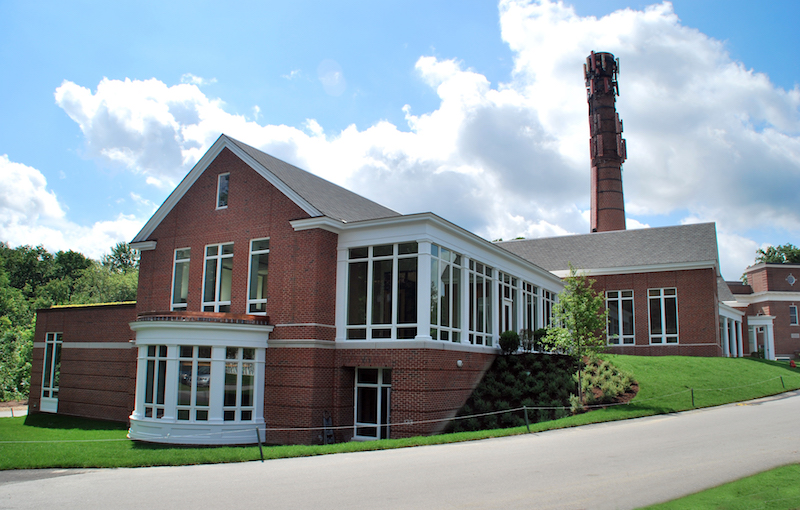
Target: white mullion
x=395 y=288
x=370 y=264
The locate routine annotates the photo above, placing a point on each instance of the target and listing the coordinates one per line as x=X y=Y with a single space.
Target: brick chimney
x=606 y=146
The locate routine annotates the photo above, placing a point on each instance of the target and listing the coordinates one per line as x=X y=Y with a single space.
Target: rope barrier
x=407 y=422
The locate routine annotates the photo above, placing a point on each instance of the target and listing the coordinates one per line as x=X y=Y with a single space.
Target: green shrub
x=509 y=342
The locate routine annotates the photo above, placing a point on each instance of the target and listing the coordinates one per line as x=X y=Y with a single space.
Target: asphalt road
x=624 y=464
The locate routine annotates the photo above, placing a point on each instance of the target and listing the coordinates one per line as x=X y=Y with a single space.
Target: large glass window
x=480 y=303
x=180 y=279
x=548 y=300
x=155 y=381
x=52 y=366
x=222 y=190
x=240 y=375
x=194 y=382
x=259 y=269
x=218 y=278
x=663 y=304
x=445 y=294
x=382 y=292
x=373 y=402
x=507 y=302
x=619 y=304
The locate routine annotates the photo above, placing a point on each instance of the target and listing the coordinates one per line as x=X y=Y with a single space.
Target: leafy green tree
x=783 y=254
x=27 y=267
x=122 y=259
x=579 y=320
x=98 y=284
x=16 y=346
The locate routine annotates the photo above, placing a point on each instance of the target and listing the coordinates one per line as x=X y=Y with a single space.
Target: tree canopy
x=32 y=278
x=783 y=254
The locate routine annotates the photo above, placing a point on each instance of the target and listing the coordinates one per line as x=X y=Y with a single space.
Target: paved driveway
x=624 y=464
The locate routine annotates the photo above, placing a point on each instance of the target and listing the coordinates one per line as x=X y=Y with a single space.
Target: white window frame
x=217 y=303
x=548 y=302
x=441 y=257
x=226 y=177
x=155 y=401
x=663 y=295
x=480 y=304
x=51 y=372
x=371 y=330
x=254 y=302
x=185 y=277
x=382 y=426
x=619 y=296
x=793 y=319
x=507 y=301
x=194 y=411
x=242 y=359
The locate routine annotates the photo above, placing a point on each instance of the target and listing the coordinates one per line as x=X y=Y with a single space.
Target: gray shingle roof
x=723 y=291
x=328 y=198
x=684 y=244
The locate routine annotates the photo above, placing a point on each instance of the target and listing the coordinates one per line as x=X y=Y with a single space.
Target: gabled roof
x=311 y=193
x=624 y=251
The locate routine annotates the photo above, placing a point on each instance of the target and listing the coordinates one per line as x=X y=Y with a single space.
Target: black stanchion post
x=782 y=383
x=692 y=390
x=527 y=423
x=260 y=450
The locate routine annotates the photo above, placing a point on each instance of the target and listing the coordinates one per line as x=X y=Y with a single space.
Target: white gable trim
x=222 y=142
x=647 y=268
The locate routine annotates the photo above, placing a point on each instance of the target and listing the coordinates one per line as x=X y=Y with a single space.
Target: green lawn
x=777 y=489
x=51 y=441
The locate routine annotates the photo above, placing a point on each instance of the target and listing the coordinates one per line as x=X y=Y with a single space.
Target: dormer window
x=222 y=191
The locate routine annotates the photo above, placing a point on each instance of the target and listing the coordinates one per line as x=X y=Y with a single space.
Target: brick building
x=770 y=299
x=270 y=298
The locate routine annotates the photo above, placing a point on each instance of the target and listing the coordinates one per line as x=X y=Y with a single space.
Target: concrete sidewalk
x=13 y=412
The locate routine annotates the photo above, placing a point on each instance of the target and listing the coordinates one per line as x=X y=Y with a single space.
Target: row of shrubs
x=538 y=380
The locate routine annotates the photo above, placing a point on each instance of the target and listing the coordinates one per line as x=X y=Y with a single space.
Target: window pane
x=204 y=352
x=162 y=381
x=231 y=353
x=435 y=286
x=222 y=190
x=259 y=265
x=210 y=283
x=260 y=245
x=382 y=292
x=203 y=383
x=655 y=316
x=627 y=316
x=407 y=248
x=248 y=384
x=227 y=249
x=368 y=375
x=357 y=294
x=357 y=334
x=180 y=289
x=231 y=375
x=671 y=315
x=406 y=333
x=456 y=291
x=186 y=351
x=185 y=383
x=407 y=290
x=445 y=295
x=226 y=276
x=248 y=353
x=359 y=253
x=148 y=388
x=613 y=318
x=367 y=408
x=383 y=251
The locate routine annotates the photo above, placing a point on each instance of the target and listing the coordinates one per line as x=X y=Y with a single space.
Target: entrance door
x=52 y=373
x=372 y=403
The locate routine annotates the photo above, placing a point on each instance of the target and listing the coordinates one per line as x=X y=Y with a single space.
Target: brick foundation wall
x=698 y=315
x=94 y=383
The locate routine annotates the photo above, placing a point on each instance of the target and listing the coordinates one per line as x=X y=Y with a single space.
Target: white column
x=497 y=308
x=424 y=291
x=341 y=295
x=734 y=343
x=465 y=300
x=769 y=343
x=171 y=384
x=739 y=337
x=725 y=338
x=141 y=376
x=217 y=386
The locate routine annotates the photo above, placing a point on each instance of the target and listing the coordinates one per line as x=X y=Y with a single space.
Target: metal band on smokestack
x=606 y=145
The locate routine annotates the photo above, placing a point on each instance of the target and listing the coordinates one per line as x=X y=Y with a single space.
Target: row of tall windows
x=194 y=383
x=382 y=292
x=662 y=311
x=218 y=277
x=480 y=303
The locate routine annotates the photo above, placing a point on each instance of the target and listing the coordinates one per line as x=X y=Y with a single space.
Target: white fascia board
x=767 y=295
x=725 y=310
x=200 y=167
x=432 y=228
x=200 y=333
x=144 y=245
x=647 y=268
x=321 y=222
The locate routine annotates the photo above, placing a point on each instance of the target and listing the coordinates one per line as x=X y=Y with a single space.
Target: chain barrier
x=407 y=423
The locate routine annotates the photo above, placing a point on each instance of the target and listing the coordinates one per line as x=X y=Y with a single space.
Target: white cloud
x=708 y=139
x=31 y=214
x=196 y=80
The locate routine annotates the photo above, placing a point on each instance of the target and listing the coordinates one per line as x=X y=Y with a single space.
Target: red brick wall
x=302 y=265
x=698 y=315
x=772 y=277
x=95 y=383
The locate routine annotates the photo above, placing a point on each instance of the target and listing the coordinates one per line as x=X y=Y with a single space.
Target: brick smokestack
x=606 y=146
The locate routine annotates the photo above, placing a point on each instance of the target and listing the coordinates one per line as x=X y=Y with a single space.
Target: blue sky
x=471 y=109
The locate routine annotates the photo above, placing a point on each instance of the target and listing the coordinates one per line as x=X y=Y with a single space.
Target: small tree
x=579 y=319
x=509 y=342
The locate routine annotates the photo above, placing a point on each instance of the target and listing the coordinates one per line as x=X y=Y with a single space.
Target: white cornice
x=768 y=295
x=222 y=142
x=144 y=245
x=645 y=268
